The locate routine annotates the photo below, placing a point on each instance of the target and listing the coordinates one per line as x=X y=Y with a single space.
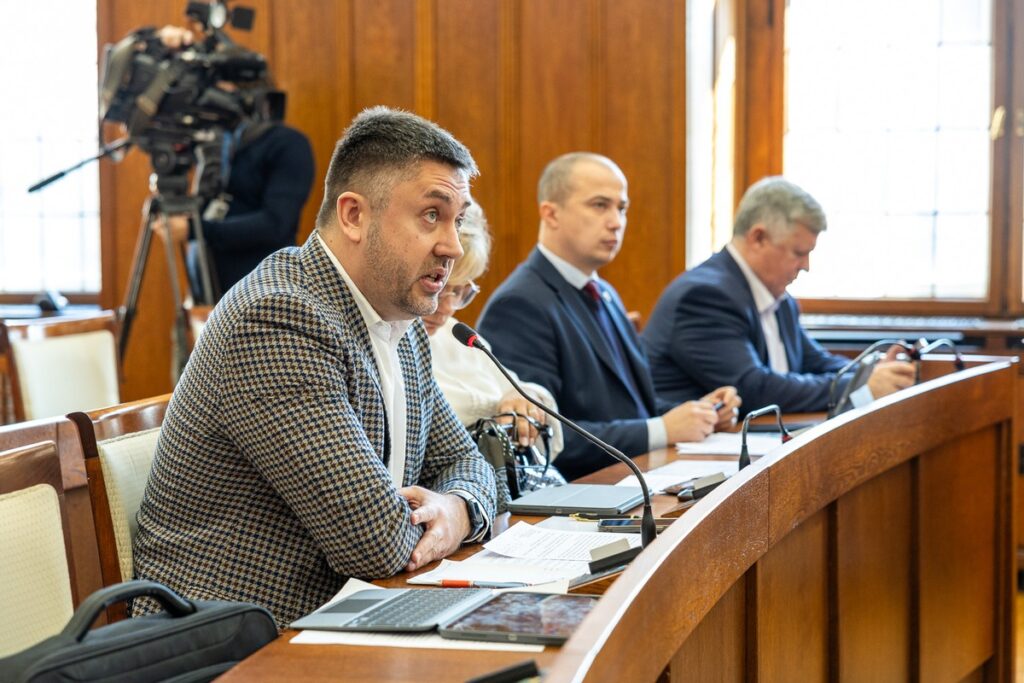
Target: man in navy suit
x=557 y=324
x=730 y=320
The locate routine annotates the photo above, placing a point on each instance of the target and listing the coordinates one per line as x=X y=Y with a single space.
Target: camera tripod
x=170 y=199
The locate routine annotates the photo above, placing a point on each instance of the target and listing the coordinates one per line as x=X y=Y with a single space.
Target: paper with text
x=526 y=541
x=729 y=443
x=681 y=470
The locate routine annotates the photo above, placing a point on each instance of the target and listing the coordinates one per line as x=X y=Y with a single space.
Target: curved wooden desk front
x=874 y=547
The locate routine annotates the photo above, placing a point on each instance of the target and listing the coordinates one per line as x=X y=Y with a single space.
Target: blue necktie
x=604 y=320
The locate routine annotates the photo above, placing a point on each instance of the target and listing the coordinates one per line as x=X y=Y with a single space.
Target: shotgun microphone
x=744 y=452
x=468 y=337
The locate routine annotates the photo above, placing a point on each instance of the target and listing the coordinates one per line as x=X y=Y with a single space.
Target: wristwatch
x=477 y=518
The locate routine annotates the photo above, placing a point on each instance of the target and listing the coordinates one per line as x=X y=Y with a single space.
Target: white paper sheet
x=729 y=443
x=681 y=470
x=414 y=640
x=490 y=572
x=526 y=541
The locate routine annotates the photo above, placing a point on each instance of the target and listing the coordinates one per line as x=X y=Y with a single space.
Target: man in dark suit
x=307 y=440
x=730 y=320
x=557 y=324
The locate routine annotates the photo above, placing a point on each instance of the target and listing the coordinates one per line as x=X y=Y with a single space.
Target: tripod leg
x=127 y=312
x=207 y=277
x=179 y=334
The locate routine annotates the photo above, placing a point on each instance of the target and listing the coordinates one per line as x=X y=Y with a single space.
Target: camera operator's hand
x=175 y=37
x=174 y=228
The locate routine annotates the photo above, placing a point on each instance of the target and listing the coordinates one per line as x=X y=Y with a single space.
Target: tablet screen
x=523 y=618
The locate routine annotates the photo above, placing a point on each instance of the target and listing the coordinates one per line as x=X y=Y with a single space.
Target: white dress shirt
x=657 y=434
x=384 y=339
x=767 y=305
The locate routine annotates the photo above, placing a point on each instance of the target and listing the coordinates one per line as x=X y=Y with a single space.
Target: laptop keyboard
x=415 y=608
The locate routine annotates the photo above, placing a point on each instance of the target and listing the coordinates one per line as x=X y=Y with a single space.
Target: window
x=887 y=117
x=48 y=72
x=906 y=120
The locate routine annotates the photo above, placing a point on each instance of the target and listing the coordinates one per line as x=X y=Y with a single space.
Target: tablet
x=522 y=618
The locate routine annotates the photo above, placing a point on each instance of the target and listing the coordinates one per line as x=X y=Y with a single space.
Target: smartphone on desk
x=631 y=526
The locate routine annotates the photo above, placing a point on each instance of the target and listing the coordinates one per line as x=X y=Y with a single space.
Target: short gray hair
x=378 y=148
x=555 y=184
x=779 y=204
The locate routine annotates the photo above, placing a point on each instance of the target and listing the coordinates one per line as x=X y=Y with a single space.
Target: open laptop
x=598 y=499
x=395 y=609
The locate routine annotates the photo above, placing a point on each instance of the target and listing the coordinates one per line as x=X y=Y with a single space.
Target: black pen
x=595 y=516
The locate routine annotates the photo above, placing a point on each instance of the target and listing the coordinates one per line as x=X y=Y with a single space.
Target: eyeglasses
x=461 y=295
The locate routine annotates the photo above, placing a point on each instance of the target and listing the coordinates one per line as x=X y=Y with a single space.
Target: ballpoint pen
x=467 y=583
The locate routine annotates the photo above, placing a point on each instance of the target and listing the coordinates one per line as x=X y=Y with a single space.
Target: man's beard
x=394 y=279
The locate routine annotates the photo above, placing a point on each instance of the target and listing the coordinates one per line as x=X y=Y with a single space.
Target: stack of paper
x=681 y=470
x=730 y=443
x=529 y=555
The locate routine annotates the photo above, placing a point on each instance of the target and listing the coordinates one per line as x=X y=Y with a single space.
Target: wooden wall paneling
x=520 y=82
x=715 y=651
x=312 y=64
x=957 y=536
x=759 y=86
x=556 y=82
x=468 y=82
x=383 y=52
x=792 y=607
x=638 y=131
x=873 y=578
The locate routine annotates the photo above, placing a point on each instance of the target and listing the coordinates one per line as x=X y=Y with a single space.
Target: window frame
x=760 y=129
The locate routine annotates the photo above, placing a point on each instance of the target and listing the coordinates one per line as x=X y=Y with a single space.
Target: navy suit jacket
x=540 y=326
x=705 y=332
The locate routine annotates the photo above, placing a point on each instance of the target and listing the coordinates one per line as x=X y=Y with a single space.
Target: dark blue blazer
x=539 y=325
x=705 y=332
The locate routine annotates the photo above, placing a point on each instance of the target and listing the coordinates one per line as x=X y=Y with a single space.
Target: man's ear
x=757 y=237
x=549 y=214
x=352 y=212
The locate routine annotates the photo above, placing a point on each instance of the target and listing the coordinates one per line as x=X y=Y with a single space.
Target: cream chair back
x=35 y=580
x=126 y=461
x=60 y=365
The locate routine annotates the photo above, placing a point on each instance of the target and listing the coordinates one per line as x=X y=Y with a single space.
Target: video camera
x=178 y=104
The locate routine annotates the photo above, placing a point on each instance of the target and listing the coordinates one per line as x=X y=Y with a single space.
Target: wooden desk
x=876 y=546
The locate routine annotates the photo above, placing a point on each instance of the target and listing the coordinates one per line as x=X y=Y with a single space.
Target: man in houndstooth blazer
x=275 y=475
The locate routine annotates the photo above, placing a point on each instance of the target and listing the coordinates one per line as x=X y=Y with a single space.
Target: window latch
x=997 y=128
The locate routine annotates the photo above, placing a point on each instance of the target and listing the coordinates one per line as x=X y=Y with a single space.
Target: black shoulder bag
x=517 y=469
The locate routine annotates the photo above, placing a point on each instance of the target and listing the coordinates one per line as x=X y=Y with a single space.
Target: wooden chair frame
x=44 y=328
x=35 y=464
x=94 y=427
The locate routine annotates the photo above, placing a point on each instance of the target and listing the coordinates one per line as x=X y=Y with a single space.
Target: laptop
x=598 y=499
x=395 y=609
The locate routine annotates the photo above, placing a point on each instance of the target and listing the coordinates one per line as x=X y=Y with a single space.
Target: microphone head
x=466 y=335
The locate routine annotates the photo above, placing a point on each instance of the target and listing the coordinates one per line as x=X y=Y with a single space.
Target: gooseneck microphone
x=468 y=337
x=744 y=452
x=923 y=346
x=833 y=407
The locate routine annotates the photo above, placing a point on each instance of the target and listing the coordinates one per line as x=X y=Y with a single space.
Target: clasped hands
x=445 y=521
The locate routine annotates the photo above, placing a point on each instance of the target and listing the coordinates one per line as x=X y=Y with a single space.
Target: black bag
x=517 y=469
x=191 y=641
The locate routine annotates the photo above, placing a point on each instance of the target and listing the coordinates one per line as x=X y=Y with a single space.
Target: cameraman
x=270 y=177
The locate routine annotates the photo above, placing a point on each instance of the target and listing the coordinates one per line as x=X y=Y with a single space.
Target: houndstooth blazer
x=268 y=484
